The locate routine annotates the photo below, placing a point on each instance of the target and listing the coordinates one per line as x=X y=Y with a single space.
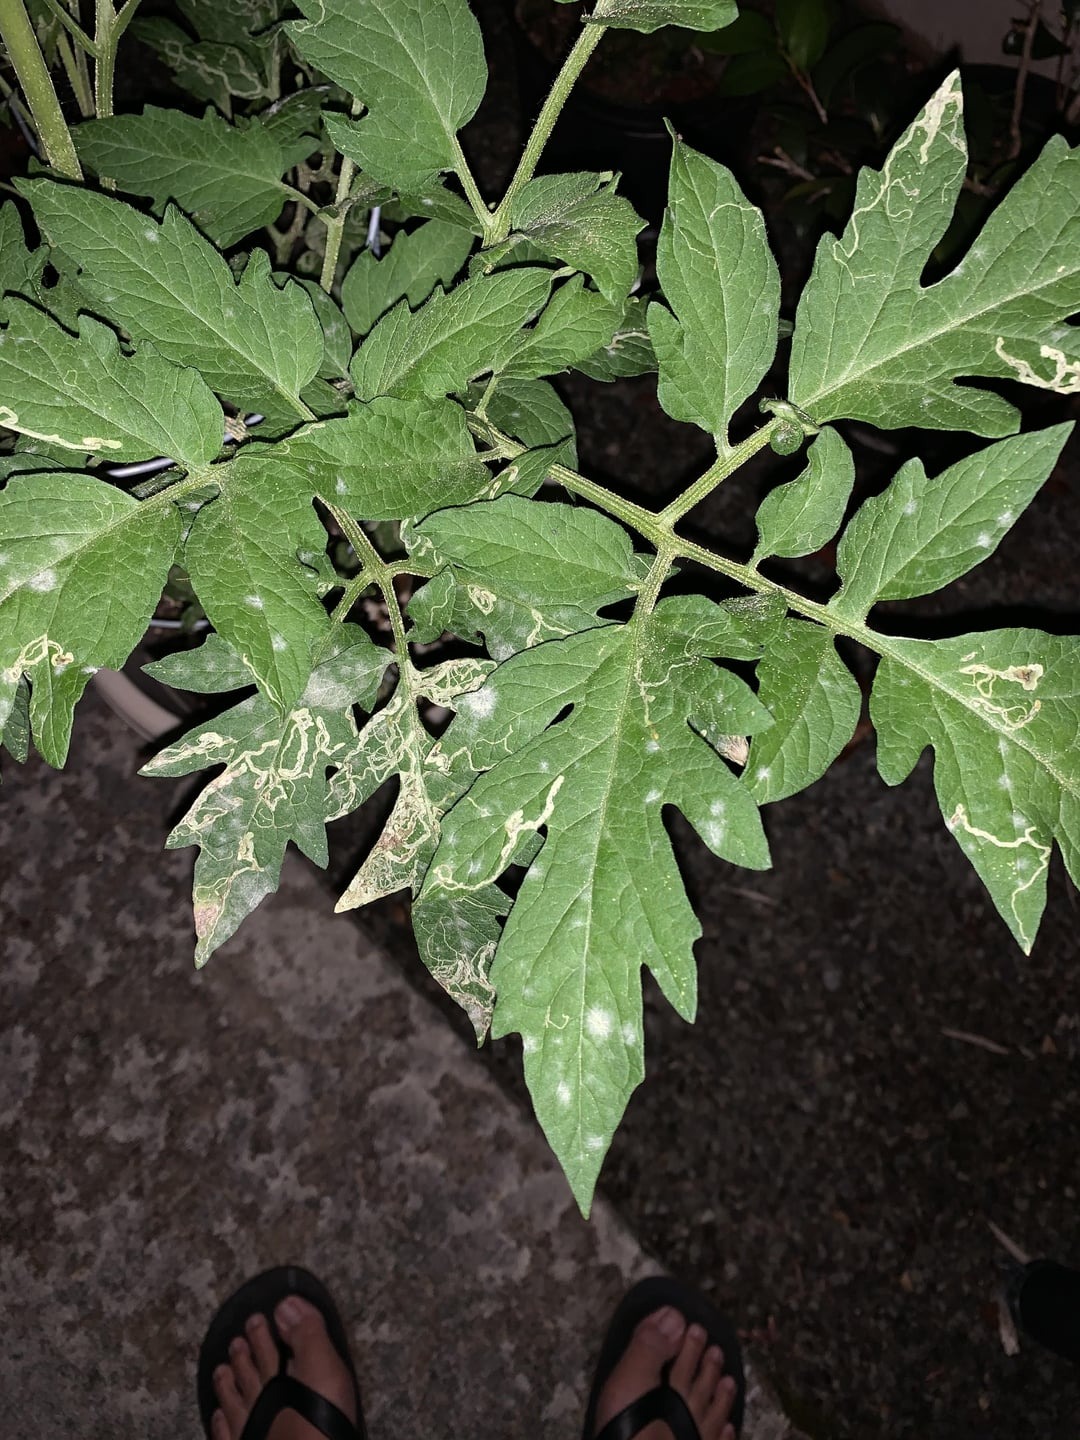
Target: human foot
x=254 y=1359
x=661 y=1340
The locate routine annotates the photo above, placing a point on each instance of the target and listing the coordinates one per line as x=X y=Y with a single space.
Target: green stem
x=23 y=50
x=300 y=198
x=725 y=464
x=671 y=547
x=375 y=571
x=78 y=76
x=472 y=192
x=575 y=62
x=105 y=67
x=72 y=26
x=335 y=228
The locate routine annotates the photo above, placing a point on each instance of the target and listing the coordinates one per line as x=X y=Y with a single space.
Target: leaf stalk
x=23 y=49
x=564 y=82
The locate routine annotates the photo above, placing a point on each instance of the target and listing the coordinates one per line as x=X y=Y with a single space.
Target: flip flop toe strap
x=285 y=1392
x=663 y=1403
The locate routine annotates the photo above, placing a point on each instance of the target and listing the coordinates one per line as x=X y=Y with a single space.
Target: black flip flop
x=662 y=1402
x=261 y=1296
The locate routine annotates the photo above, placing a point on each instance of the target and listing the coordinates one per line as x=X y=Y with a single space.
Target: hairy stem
x=472 y=192
x=575 y=62
x=23 y=50
x=74 y=64
x=105 y=66
x=725 y=464
x=658 y=531
x=375 y=571
x=335 y=228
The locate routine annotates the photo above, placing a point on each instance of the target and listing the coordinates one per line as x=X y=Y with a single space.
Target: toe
x=703 y=1387
x=302 y=1326
x=684 y=1370
x=719 y=1411
x=264 y=1349
x=654 y=1342
x=229 y=1398
x=219 y=1426
x=247 y=1377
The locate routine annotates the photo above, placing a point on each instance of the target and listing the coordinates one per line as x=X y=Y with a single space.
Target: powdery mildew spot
x=598 y=1022
x=43 y=581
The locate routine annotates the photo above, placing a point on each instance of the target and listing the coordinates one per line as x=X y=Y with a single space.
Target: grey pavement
x=164 y=1133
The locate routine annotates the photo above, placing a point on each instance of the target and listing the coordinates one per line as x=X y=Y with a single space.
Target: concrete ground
x=166 y=1133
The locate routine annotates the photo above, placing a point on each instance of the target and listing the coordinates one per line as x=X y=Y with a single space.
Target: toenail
x=290 y=1311
x=670 y=1323
x=254 y=1322
x=714 y=1355
x=729 y=1384
x=235 y=1346
x=697 y=1332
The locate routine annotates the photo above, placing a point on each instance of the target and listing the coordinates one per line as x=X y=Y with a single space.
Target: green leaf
x=227 y=178
x=418 y=66
x=628 y=352
x=207 y=70
x=920 y=533
x=748 y=32
x=386 y=460
x=15 y=733
x=337 y=338
x=604 y=896
x=650 y=15
x=454 y=337
x=19 y=267
x=273 y=788
x=1001 y=709
x=213 y=21
x=242 y=555
x=573 y=326
x=422 y=197
x=81 y=392
x=751 y=74
x=457 y=940
x=531 y=412
x=416 y=262
x=803 y=27
x=521 y=572
x=457 y=947
x=295 y=122
x=209 y=669
x=163 y=282
x=815 y=702
x=850 y=52
x=802 y=516
x=873 y=343
x=719 y=278
x=82 y=569
x=579 y=220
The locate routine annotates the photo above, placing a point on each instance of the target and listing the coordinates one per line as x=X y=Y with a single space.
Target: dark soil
x=817 y=1151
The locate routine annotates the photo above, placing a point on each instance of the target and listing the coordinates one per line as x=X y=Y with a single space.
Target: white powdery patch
x=598 y=1022
x=340 y=486
x=652 y=797
x=152 y=236
x=911 y=507
x=594 y=1142
x=43 y=581
x=1006 y=517
x=763 y=773
x=717 y=808
x=279 y=643
x=629 y=1034
x=479 y=702
x=253 y=602
x=984 y=541
x=562 y=1093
